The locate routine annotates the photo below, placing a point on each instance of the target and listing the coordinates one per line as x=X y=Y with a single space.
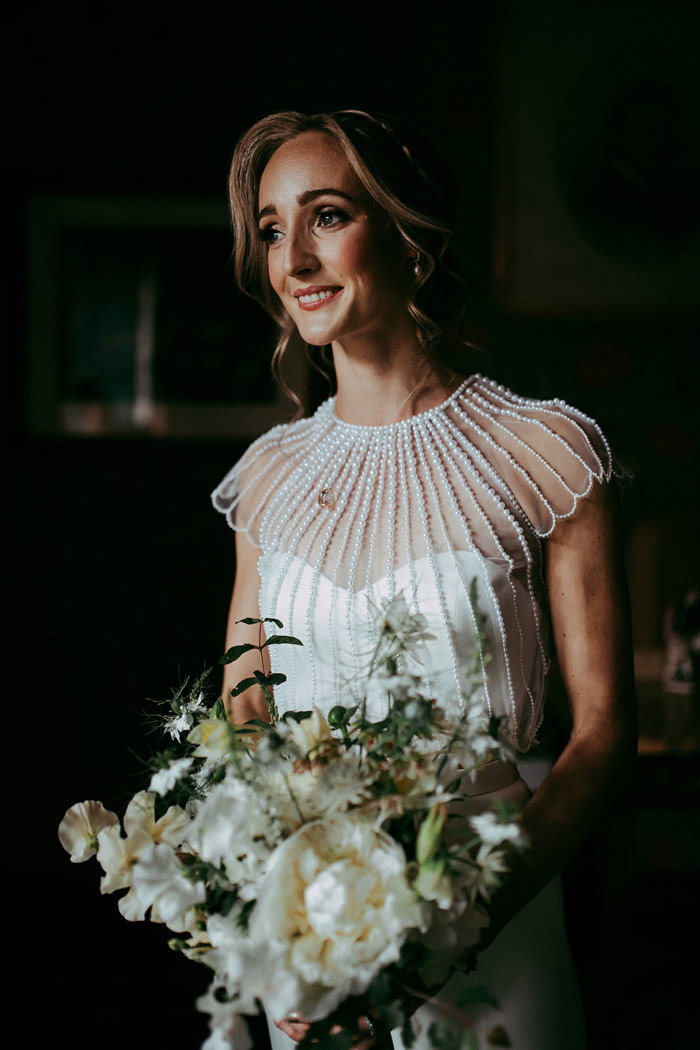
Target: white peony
x=78 y=831
x=333 y=909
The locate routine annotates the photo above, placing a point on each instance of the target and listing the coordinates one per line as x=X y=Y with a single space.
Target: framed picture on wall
x=598 y=160
x=136 y=327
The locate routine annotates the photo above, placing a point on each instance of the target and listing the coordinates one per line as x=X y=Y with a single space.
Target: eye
x=270 y=234
x=330 y=216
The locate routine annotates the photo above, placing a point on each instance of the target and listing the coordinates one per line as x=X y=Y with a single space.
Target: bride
x=416 y=479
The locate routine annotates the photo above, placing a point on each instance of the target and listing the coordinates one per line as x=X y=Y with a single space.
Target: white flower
x=228 y=947
x=405 y=627
x=494 y=832
x=311 y=733
x=212 y=735
x=231 y=828
x=79 y=829
x=343 y=783
x=293 y=798
x=178 y=724
x=486 y=875
x=433 y=883
x=333 y=909
x=164 y=780
x=118 y=854
x=450 y=933
x=228 y=1029
x=158 y=878
x=140 y=814
x=399 y=685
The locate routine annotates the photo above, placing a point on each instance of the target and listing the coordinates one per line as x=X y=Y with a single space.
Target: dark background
x=119 y=571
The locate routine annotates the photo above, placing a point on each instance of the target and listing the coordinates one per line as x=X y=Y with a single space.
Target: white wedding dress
x=346 y=516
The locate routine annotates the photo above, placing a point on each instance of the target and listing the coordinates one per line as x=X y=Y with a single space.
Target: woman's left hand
x=296 y=1028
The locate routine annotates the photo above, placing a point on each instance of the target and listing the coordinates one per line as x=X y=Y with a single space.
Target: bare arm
x=244 y=603
x=585 y=578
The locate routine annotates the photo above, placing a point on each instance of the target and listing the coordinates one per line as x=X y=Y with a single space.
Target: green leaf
x=235 y=651
x=252 y=726
x=296 y=716
x=281 y=639
x=251 y=620
x=270 y=679
x=272 y=619
x=245 y=684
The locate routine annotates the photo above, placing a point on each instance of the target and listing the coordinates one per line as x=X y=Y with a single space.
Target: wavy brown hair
x=404 y=176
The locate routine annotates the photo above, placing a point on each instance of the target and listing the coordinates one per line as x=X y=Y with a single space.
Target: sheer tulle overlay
x=346 y=516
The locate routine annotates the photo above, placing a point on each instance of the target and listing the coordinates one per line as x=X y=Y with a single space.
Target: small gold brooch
x=326 y=498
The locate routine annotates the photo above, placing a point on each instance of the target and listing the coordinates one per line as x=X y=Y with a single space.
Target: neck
x=379 y=385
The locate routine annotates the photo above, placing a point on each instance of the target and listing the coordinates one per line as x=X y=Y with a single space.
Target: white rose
x=333 y=909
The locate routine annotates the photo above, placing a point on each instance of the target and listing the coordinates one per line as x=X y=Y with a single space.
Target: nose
x=299 y=255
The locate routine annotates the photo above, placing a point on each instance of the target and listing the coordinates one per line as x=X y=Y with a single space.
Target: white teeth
x=315 y=297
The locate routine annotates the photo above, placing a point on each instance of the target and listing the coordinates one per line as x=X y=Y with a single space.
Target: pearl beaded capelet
x=346 y=516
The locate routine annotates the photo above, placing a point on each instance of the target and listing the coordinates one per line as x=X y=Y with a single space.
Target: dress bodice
x=346 y=516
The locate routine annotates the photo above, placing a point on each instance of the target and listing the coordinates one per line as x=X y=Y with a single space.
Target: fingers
x=293 y=1026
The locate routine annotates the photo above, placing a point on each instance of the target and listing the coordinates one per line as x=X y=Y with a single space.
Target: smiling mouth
x=318 y=297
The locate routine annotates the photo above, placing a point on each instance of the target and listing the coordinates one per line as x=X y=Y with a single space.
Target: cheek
x=274 y=271
x=355 y=257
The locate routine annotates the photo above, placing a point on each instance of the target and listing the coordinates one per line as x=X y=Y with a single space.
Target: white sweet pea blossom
x=332 y=910
x=79 y=829
x=164 y=780
x=117 y=856
x=140 y=814
x=158 y=878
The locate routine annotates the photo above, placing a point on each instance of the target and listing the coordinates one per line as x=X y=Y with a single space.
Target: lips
x=313 y=298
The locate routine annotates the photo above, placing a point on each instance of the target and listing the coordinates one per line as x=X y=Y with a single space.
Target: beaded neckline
x=401 y=424
x=454 y=498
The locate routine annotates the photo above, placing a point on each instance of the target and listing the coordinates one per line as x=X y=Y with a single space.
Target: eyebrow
x=306 y=198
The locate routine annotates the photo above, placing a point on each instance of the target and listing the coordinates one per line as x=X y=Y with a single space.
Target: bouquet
x=313 y=862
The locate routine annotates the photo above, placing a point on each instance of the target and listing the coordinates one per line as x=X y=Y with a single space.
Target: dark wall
x=119 y=571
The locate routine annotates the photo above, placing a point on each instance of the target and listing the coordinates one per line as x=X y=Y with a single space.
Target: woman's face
x=335 y=260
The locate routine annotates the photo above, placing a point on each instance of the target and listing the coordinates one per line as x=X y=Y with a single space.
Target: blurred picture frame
x=136 y=328
x=597 y=195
